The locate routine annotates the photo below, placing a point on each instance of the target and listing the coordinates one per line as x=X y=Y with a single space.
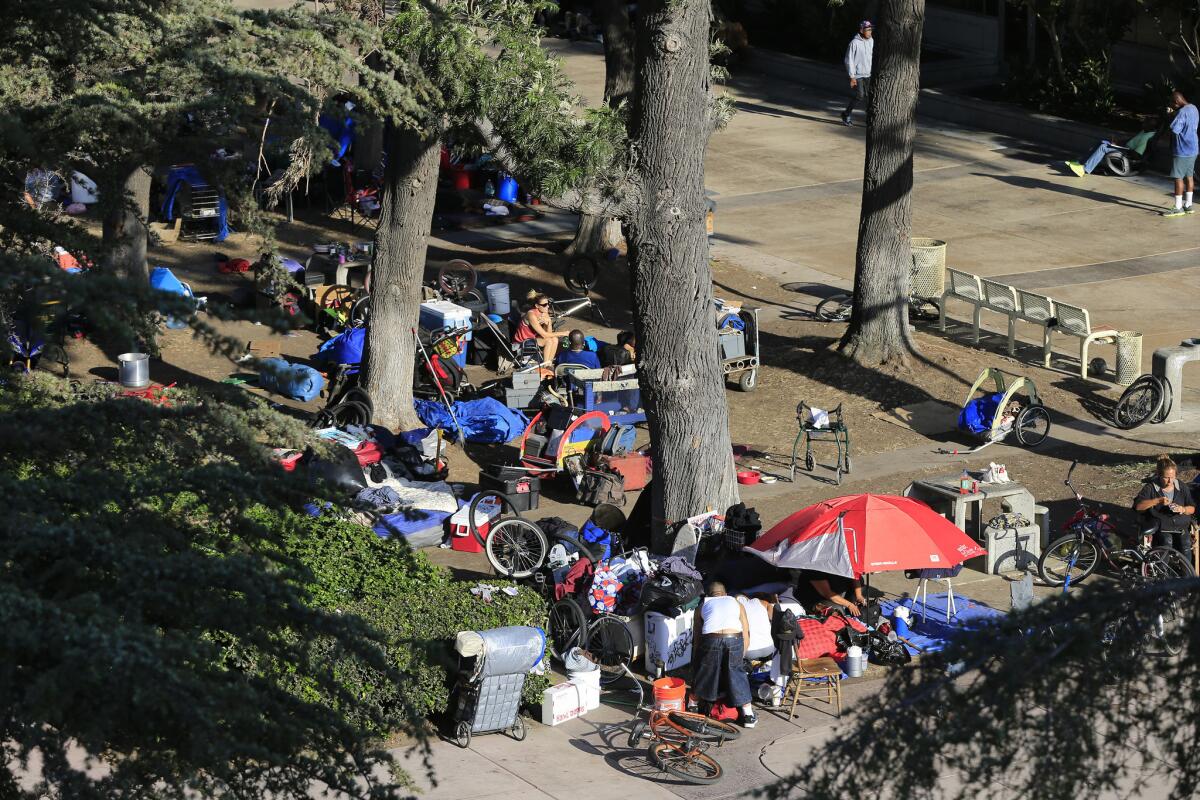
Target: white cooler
x=438 y=314
x=669 y=640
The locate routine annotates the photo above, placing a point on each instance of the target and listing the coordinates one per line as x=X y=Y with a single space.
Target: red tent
x=864 y=533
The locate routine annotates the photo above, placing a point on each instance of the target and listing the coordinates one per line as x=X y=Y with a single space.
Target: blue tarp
x=163 y=280
x=342 y=132
x=345 y=348
x=410 y=521
x=290 y=380
x=191 y=176
x=977 y=415
x=487 y=420
x=934 y=633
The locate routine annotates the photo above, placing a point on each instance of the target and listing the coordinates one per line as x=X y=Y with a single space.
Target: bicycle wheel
x=456 y=278
x=706 y=728
x=506 y=507
x=566 y=627
x=1166 y=563
x=1032 y=426
x=515 y=547
x=1168 y=399
x=1069 y=556
x=611 y=646
x=360 y=313
x=581 y=274
x=636 y=732
x=688 y=766
x=1140 y=402
x=835 y=309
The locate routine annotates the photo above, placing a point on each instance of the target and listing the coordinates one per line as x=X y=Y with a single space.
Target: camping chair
x=813 y=677
x=947 y=576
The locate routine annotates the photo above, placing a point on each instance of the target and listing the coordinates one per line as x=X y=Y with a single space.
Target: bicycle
x=678 y=739
x=561 y=309
x=1148 y=399
x=838 y=307
x=1072 y=558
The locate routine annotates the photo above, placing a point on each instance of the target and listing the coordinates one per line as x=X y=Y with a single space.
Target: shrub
x=415 y=607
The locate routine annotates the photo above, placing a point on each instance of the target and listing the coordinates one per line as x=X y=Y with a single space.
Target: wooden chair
x=813 y=677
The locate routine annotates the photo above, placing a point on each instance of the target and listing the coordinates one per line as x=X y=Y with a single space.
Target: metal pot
x=133 y=370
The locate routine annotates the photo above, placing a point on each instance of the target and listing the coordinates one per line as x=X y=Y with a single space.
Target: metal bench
x=965 y=287
x=1167 y=363
x=1075 y=321
x=1002 y=298
x=1035 y=308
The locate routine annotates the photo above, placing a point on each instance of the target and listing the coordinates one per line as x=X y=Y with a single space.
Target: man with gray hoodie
x=858 y=66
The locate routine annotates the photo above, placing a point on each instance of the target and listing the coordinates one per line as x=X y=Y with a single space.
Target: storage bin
x=438 y=314
x=519 y=398
x=521 y=488
x=733 y=344
x=669 y=640
x=528 y=380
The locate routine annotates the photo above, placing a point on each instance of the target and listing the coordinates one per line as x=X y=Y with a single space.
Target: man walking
x=1183 y=150
x=858 y=65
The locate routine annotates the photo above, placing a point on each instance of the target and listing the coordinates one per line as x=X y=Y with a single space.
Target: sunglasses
x=543 y=305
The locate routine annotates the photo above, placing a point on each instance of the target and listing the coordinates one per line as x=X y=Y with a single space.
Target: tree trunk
x=879 y=331
x=596 y=234
x=409 y=192
x=681 y=375
x=124 y=230
x=618 y=50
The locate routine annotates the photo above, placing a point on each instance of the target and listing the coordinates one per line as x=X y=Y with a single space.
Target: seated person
x=536 y=325
x=818 y=590
x=578 y=353
x=721 y=636
x=1137 y=144
x=1166 y=502
x=623 y=352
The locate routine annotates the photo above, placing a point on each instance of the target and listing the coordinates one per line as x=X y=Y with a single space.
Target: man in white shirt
x=858 y=67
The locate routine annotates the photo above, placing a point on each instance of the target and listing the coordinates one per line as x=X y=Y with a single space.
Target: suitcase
x=636 y=469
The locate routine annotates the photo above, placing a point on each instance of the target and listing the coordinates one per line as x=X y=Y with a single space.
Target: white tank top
x=720 y=614
x=760 y=623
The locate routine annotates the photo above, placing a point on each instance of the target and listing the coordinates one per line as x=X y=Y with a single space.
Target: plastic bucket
x=497 y=297
x=133 y=370
x=589 y=678
x=508 y=189
x=669 y=694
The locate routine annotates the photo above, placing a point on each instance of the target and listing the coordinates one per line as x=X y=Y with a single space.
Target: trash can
x=929 y=268
x=1129 y=356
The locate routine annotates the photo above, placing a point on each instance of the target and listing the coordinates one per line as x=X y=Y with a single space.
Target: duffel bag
x=597 y=486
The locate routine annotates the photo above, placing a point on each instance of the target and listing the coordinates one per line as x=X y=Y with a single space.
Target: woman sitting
x=536 y=325
x=1166 y=503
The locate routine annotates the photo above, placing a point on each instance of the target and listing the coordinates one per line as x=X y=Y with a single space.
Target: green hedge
x=415 y=607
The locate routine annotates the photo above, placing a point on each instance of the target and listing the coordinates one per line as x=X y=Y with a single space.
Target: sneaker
x=1076 y=167
x=1189 y=209
x=846 y=121
x=1174 y=212
x=749 y=720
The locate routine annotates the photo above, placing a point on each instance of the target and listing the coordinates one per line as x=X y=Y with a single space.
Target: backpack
x=665 y=593
x=618 y=441
x=597 y=486
x=785 y=625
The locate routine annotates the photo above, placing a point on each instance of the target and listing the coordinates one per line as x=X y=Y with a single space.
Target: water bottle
x=489 y=189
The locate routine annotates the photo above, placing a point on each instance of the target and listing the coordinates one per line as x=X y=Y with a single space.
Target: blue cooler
x=438 y=314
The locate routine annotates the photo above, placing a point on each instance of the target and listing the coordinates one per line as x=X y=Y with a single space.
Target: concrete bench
x=1075 y=321
x=1167 y=363
x=965 y=287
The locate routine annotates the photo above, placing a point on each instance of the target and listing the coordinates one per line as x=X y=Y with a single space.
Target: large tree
x=879 y=331
x=674 y=112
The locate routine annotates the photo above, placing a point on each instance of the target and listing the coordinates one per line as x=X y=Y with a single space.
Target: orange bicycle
x=679 y=739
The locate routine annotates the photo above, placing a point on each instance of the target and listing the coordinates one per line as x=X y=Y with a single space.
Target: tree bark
x=879 y=331
x=618 y=50
x=406 y=214
x=596 y=234
x=124 y=230
x=683 y=383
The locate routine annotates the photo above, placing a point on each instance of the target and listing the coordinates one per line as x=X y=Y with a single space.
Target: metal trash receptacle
x=929 y=267
x=1129 y=356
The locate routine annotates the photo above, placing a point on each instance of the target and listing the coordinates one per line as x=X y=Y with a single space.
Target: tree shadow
x=1025 y=182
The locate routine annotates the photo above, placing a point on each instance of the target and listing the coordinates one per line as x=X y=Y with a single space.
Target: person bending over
x=1166 y=502
x=721 y=636
x=537 y=325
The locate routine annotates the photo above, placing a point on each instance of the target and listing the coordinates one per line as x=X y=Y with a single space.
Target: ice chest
x=522 y=489
x=634 y=468
x=563 y=702
x=669 y=640
x=460 y=532
x=733 y=344
x=438 y=314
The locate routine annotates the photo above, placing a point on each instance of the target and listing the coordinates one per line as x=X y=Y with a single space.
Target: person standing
x=858 y=66
x=721 y=636
x=1183 y=151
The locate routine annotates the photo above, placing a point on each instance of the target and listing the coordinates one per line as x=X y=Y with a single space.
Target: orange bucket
x=669 y=694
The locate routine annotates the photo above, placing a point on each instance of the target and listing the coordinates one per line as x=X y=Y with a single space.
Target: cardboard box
x=562 y=703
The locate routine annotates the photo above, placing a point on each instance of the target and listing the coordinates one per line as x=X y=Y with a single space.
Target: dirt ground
x=799 y=363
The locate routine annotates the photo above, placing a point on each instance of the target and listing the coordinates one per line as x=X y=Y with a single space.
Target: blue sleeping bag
x=977 y=415
x=290 y=380
x=487 y=420
x=345 y=348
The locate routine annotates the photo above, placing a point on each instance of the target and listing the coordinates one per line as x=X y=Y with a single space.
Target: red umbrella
x=864 y=533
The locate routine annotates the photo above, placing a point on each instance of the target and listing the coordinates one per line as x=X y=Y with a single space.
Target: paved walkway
x=787 y=181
